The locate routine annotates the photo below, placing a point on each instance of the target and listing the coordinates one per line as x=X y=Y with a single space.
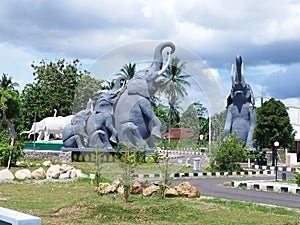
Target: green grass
x=77 y=203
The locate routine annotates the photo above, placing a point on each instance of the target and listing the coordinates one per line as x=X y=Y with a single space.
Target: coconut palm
x=128 y=70
x=6 y=83
x=173 y=86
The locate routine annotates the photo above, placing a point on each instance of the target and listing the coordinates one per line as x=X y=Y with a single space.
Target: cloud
x=264 y=33
x=284 y=84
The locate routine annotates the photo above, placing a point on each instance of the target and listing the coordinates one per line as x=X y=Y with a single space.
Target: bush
x=297 y=177
x=230 y=153
x=6 y=150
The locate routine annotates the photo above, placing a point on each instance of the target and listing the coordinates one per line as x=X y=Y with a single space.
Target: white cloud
x=264 y=32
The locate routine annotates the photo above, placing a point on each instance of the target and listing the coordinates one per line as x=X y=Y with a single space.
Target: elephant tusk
x=232 y=78
x=166 y=65
x=121 y=89
x=242 y=76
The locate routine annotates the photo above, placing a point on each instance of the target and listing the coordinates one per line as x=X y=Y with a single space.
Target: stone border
x=267 y=186
x=206 y=174
x=280 y=168
x=48 y=155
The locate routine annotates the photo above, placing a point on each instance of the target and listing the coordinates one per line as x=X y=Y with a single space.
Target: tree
x=88 y=88
x=173 y=86
x=217 y=125
x=231 y=152
x=273 y=124
x=54 y=87
x=194 y=117
x=10 y=102
x=7 y=83
x=128 y=70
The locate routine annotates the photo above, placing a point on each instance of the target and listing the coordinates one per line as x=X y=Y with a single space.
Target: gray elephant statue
x=74 y=135
x=100 y=128
x=134 y=118
x=241 y=115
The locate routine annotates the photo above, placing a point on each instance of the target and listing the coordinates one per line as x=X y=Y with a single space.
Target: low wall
x=49 y=155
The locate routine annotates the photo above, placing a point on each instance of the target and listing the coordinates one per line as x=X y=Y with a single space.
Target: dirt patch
x=5 y=197
x=67 y=210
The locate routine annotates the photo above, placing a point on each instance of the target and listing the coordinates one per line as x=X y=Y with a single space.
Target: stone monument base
x=89 y=154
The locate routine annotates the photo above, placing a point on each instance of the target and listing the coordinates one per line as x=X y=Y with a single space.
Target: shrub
x=230 y=153
x=6 y=150
x=297 y=177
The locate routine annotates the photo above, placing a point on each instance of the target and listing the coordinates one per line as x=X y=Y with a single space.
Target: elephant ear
x=138 y=86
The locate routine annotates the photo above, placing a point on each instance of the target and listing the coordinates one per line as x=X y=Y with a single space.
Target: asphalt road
x=213 y=187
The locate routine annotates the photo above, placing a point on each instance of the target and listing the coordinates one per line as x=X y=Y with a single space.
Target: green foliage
x=217 y=125
x=54 y=88
x=128 y=70
x=193 y=117
x=10 y=103
x=7 y=150
x=230 y=153
x=297 y=177
x=273 y=124
x=153 y=158
x=128 y=160
x=88 y=88
x=166 y=175
x=173 y=87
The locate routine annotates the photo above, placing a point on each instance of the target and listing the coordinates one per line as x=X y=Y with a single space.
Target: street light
x=276 y=144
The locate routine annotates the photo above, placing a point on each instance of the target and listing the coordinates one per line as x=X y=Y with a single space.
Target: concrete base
x=12 y=217
x=268 y=186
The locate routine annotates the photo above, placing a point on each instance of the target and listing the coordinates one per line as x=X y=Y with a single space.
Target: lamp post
x=276 y=144
x=201 y=136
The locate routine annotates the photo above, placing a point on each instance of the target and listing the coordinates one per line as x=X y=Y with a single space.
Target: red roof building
x=178 y=133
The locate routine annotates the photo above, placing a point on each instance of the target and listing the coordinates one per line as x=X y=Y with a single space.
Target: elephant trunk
x=158 y=58
x=239 y=77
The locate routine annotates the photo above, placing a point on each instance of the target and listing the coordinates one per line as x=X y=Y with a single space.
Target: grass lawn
x=76 y=203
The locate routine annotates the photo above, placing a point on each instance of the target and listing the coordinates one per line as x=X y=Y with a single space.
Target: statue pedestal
x=43 y=145
x=89 y=154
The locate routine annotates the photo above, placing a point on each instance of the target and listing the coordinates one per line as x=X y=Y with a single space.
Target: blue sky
x=265 y=33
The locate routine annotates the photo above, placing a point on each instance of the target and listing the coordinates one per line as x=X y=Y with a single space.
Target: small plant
x=9 y=154
x=166 y=178
x=128 y=162
x=98 y=154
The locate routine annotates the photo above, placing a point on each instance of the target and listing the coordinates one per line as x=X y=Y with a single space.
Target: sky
x=265 y=33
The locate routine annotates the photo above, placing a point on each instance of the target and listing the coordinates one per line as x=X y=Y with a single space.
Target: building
x=294 y=114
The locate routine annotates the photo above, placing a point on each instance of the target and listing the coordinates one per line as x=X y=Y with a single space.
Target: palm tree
x=6 y=83
x=173 y=86
x=128 y=70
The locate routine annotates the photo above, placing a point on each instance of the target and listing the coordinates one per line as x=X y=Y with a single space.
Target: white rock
x=73 y=173
x=23 y=174
x=38 y=174
x=47 y=163
x=65 y=167
x=65 y=175
x=5 y=174
x=53 y=172
x=79 y=173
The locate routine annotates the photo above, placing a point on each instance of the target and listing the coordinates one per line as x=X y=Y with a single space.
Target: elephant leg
x=132 y=135
x=95 y=139
x=110 y=129
x=40 y=136
x=156 y=123
x=78 y=142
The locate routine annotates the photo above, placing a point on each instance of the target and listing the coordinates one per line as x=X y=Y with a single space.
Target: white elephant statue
x=49 y=125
